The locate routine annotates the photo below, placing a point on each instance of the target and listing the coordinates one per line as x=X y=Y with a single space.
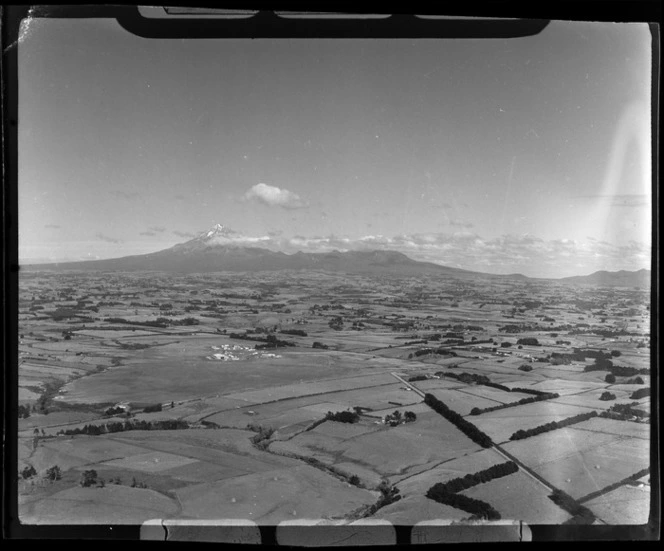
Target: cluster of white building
x=227 y=354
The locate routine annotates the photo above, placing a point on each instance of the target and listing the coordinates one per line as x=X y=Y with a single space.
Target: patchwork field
x=300 y=492
x=109 y=505
x=386 y=451
x=624 y=505
x=502 y=423
x=142 y=349
x=519 y=497
x=581 y=462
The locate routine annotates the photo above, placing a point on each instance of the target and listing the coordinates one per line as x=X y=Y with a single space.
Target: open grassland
x=169 y=378
x=502 y=423
x=591 y=398
x=625 y=505
x=110 y=505
x=519 y=497
x=581 y=462
x=458 y=467
x=411 y=510
x=77 y=358
x=269 y=497
x=387 y=451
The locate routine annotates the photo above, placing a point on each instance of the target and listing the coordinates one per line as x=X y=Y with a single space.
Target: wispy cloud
x=124 y=194
x=460 y=224
x=183 y=234
x=158 y=229
x=151 y=233
x=626 y=200
x=107 y=238
x=274 y=197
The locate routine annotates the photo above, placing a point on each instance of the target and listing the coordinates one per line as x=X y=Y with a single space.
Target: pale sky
x=527 y=155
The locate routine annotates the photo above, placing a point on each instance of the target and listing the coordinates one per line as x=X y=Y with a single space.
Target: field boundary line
x=293 y=398
x=524 y=468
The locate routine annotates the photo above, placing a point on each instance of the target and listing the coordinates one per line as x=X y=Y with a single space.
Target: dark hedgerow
x=580 y=514
x=463 y=483
x=480 y=509
x=523 y=401
x=553 y=425
x=470 y=430
x=96 y=430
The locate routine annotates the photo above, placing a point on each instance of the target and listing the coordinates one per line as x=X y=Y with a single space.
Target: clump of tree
x=88 y=478
x=388 y=495
x=626 y=412
x=438 y=351
x=396 y=418
x=468 y=378
x=553 y=425
x=28 y=472
x=505 y=344
x=152 y=408
x=271 y=341
x=136 y=484
x=320 y=345
x=607 y=396
x=23 y=411
x=53 y=473
x=295 y=332
x=616 y=370
x=414 y=378
x=336 y=323
x=610 y=378
x=528 y=341
x=342 y=416
x=640 y=393
x=262 y=439
x=470 y=430
x=635 y=381
x=118 y=410
x=510 y=329
x=525 y=367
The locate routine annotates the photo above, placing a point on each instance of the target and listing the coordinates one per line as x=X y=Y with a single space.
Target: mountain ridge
x=222 y=249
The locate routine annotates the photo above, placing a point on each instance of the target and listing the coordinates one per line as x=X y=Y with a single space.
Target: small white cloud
x=274 y=197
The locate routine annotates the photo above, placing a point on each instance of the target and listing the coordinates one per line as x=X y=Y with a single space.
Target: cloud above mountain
x=274 y=196
x=183 y=233
x=107 y=238
x=524 y=253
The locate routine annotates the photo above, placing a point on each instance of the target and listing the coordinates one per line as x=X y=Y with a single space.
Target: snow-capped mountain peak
x=218 y=229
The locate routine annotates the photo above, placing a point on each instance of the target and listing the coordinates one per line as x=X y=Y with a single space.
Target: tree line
x=580 y=514
x=463 y=483
x=523 y=401
x=107 y=428
x=553 y=425
x=470 y=430
x=625 y=412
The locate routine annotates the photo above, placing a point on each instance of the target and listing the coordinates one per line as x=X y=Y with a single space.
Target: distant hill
x=622 y=278
x=221 y=249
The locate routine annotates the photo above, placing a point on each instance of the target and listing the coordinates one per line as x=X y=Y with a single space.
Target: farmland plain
x=152 y=395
